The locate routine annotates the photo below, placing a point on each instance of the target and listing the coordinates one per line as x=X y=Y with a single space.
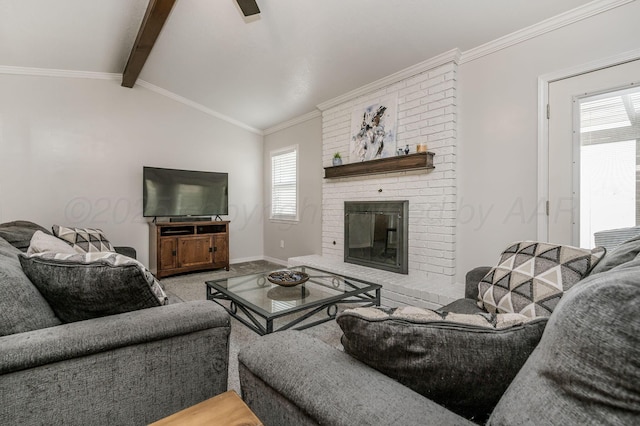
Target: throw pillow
x=92 y=285
x=41 y=243
x=22 y=307
x=531 y=277
x=622 y=254
x=83 y=240
x=462 y=361
x=18 y=233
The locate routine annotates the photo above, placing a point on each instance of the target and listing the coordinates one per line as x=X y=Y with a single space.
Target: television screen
x=170 y=192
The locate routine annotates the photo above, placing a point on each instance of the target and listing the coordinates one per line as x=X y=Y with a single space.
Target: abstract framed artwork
x=373 y=130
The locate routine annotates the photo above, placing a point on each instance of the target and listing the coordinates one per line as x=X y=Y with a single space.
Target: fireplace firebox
x=376 y=234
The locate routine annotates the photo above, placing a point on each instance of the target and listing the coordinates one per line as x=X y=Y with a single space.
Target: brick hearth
x=397 y=289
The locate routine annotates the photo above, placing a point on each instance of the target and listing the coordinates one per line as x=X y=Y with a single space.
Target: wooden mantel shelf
x=401 y=163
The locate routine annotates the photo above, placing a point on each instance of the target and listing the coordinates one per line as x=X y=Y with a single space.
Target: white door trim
x=543 y=125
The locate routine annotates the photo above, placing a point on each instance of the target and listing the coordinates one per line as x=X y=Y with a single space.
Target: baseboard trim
x=257 y=258
x=274 y=260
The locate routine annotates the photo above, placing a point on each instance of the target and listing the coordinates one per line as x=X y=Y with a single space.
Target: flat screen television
x=171 y=193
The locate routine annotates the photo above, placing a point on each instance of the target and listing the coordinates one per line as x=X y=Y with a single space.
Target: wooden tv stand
x=179 y=247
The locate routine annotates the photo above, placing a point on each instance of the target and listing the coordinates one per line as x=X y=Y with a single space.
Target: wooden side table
x=226 y=409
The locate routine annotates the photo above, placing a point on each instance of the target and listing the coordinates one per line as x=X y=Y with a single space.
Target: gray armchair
x=130 y=368
x=126 y=369
x=612 y=238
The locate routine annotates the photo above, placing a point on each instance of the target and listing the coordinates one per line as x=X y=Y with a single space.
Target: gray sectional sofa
x=132 y=368
x=584 y=369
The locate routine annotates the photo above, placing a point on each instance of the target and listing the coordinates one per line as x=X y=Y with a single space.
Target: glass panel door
x=608 y=174
x=592 y=153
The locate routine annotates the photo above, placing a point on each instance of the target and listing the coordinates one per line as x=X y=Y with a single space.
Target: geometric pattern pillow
x=92 y=285
x=83 y=240
x=532 y=276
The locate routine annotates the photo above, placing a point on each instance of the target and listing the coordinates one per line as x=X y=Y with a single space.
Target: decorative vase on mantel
x=337 y=159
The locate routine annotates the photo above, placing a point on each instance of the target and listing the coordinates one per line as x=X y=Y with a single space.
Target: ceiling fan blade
x=249 y=7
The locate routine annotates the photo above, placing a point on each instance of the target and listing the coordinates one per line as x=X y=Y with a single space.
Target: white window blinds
x=284 y=184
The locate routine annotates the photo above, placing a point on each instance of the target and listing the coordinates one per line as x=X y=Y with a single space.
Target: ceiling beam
x=249 y=7
x=154 y=18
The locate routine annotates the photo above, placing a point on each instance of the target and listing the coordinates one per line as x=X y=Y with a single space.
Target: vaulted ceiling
x=266 y=69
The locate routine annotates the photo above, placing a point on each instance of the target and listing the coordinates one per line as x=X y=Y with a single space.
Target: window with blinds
x=284 y=184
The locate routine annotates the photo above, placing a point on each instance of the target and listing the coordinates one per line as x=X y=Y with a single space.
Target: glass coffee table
x=257 y=303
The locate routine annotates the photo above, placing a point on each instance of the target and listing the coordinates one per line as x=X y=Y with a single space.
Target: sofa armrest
x=473 y=277
x=290 y=378
x=131 y=368
x=48 y=345
x=126 y=251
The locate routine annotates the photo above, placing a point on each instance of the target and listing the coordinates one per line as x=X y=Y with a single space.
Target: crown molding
x=567 y=18
x=609 y=61
x=452 y=55
x=297 y=120
x=51 y=72
x=195 y=105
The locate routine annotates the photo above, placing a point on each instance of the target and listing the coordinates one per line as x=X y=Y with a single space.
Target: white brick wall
x=426 y=114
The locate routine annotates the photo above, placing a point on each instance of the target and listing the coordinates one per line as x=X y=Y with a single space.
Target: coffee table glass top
x=259 y=304
x=268 y=299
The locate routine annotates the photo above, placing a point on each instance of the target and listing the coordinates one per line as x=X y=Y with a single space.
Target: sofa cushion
x=531 y=277
x=42 y=243
x=80 y=287
x=623 y=253
x=18 y=233
x=22 y=307
x=83 y=240
x=464 y=362
x=585 y=369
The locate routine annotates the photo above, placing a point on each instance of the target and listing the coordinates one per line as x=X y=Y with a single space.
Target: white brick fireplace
x=426 y=115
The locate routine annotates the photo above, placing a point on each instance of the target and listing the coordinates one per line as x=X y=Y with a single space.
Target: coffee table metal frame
x=362 y=293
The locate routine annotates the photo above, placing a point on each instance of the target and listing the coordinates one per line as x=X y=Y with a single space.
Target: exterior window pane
x=284 y=184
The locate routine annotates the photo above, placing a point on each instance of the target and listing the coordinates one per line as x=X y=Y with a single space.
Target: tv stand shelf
x=179 y=247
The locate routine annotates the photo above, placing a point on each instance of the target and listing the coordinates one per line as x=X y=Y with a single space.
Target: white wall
x=72 y=151
x=497 y=150
x=303 y=237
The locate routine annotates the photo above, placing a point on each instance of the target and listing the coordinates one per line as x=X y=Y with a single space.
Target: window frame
x=272 y=155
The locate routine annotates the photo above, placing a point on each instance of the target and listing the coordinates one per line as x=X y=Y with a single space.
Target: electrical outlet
x=281 y=243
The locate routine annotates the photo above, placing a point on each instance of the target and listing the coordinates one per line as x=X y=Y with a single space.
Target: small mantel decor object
x=287 y=278
x=337 y=159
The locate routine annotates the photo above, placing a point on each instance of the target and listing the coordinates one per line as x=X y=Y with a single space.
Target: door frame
x=543 y=126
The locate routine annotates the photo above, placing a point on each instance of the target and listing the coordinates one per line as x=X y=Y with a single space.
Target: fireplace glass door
x=376 y=234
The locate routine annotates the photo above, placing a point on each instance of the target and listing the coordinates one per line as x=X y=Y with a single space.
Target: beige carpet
x=191 y=287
